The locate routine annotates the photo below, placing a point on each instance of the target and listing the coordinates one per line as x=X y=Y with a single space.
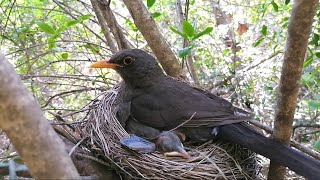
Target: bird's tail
x=301 y=163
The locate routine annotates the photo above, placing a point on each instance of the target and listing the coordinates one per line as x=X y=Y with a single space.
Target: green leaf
x=308 y=61
x=314 y=104
x=52 y=40
x=45 y=27
x=184 y=52
x=264 y=30
x=208 y=30
x=94 y=49
x=257 y=43
x=315 y=39
x=286 y=2
x=155 y=14
x=317 y=54
x=64 y=56
x=178 y=32
x=275 y=6
x=84 y=17
x=187 y=28
x=150 y=3
x=72 y=22
x=317 y=145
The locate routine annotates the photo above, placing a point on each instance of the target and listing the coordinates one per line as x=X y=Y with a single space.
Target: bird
x=153 y=102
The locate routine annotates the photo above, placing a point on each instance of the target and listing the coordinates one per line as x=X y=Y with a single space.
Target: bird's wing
x=172 y=103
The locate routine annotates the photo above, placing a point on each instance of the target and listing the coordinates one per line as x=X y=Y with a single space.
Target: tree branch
x=151 y=33
x=299 y=29
x=23 y=121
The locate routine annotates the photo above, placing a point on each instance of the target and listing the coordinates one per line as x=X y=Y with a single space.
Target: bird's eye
x=127 y=60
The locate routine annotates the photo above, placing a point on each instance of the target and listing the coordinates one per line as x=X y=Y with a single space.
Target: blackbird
x=154 y=102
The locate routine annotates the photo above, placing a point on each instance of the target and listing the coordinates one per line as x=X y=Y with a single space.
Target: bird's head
x=133 y=65
x=169 y=142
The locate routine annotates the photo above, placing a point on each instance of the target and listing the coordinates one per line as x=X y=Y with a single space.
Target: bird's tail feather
x=301 y=163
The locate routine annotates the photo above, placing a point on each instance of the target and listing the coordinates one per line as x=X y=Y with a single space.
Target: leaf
x=94 y=49
x=184 y=52
x=286 y=2
x=317 y=145
x=187 y=28
x=242 y=28
x=84 y=17
x=72 y=22
x=264 y=30
x=317 y=54
x=52 y=41
x=315 y=39
x=45 y=27
x=308 y=61
x=64 y=56
x=206 y=31
x=314 y=104
x=275 y=6
x=156 y=14
x=178 y=32
x=257 y=43
x=150 y=3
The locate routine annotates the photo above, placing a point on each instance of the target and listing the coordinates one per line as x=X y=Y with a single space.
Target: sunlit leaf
x=150 y=3
x=64 y=56
x=264 y=30
x=275 y=6
x=45 y=27
x=208 y=30
x=84 y=17
x=184 y=52
x=187 y=28
x=155 y=14
x=314 y=104
x=258 y=42
x=308 y=61
x=178 y=32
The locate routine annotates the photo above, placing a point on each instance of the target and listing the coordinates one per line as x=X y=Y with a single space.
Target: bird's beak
x=104 y=64
x=181 y=152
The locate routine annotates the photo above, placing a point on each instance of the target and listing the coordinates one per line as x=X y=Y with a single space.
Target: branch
x=299 y=29
x=23 y=121
x=151 y=33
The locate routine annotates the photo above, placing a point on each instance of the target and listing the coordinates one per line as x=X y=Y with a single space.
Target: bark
x=97 y=7
x=33 y=137
x=298 y=33
x=103 y=10
x=151 y=33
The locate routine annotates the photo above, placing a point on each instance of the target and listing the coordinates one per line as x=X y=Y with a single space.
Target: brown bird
x=153 y=102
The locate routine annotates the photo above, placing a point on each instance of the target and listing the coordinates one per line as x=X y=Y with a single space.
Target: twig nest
x=211 y=160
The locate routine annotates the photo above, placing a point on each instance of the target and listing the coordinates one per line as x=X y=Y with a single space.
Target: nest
x=210 y=160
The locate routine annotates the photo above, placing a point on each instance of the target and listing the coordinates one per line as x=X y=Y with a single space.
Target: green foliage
x=188 y=29
x=150 y=3
x=189 y=33
x=45 y=27
x=317 y=145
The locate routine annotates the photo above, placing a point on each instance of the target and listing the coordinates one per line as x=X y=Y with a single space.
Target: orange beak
x=104 y=64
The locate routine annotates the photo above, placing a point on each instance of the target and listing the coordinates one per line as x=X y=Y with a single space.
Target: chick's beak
x=104 y=64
